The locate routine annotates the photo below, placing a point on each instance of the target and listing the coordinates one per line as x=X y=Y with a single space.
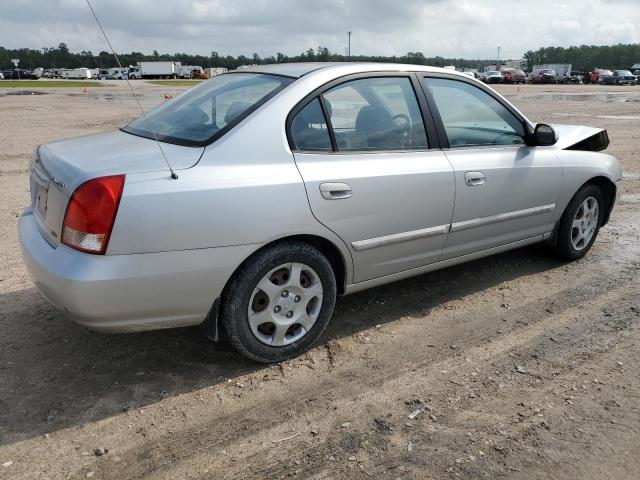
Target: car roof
x=297 y=70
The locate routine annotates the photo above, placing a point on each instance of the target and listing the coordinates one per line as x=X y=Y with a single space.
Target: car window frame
x=428 y=120
x=442 y=134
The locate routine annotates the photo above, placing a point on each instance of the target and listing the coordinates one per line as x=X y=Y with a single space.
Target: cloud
x=450 y=28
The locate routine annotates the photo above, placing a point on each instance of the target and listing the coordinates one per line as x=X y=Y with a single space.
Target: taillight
x=91 y=213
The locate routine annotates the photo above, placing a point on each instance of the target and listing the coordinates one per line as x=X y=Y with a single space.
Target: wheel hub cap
x=285 y=304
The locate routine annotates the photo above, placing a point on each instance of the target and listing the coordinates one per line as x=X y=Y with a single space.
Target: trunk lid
x=58 y=168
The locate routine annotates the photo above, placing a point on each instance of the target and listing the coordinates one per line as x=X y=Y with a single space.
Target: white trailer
x=76 y=73
x=159 y=69
x=213 y=71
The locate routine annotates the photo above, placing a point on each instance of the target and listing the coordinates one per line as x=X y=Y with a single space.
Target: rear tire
x=279 y=302
x=580 y=223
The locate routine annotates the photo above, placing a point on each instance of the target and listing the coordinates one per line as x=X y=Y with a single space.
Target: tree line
x=587 y=57
x=583 y=57
x=62 y=57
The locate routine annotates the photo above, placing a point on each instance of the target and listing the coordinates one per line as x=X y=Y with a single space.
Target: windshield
x=207 y=111
x=623 y=72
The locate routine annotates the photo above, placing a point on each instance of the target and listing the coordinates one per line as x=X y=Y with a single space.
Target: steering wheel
x=405 y=124
x=404 y=127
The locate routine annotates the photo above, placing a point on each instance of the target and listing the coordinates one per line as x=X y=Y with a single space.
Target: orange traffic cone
x=84 y=90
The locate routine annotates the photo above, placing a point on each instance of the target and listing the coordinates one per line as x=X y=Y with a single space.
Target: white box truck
x=159 y=69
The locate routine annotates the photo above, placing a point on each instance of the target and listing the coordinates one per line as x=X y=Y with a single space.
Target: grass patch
x=47 y=84
x=176 y=83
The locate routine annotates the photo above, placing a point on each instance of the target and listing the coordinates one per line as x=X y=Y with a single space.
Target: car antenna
x=144 y=114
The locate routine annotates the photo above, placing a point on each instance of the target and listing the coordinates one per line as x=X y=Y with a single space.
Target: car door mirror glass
x=544 y=135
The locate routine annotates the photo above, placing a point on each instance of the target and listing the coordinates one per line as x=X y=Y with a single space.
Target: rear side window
x=472 y=117
x=309 y=130
x=375 y=114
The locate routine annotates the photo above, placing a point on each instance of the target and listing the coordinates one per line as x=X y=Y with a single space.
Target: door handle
x=335 y=191
x=473 y=179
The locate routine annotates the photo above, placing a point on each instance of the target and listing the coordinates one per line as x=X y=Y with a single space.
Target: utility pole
x=349 y=48
x=499 y=50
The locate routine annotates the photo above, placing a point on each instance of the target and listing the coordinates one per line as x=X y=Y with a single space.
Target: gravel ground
x=514 y=366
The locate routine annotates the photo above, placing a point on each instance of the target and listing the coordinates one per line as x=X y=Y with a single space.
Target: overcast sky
x=450 y=28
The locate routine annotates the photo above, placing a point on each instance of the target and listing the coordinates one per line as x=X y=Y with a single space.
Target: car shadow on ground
x=55 y=374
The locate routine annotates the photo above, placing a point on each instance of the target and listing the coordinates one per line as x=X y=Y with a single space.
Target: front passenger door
x=505 y=190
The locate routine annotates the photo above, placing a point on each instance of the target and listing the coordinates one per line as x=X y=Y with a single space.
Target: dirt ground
x=514 y=366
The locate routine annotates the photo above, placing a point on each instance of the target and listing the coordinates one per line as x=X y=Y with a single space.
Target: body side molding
x=501 y=217
x=399 y=238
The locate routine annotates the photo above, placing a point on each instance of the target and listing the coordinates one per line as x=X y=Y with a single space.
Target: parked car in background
x=637 y=74
x=620 y=77
x=1 y=76
x=599 y=75
x=116 y=73
x=574 y=78
x=287 y=186
x=513 y=75
x=544 y=75
x=469 y=74
x=19 y=74
x=492 y=76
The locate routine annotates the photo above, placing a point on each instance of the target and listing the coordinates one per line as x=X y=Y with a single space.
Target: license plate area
x=39 y=190
x=40 y=200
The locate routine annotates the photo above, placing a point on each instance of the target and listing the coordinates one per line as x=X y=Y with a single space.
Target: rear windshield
x=206 y=111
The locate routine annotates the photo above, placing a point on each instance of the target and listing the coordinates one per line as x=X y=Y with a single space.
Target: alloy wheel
x=585 y=223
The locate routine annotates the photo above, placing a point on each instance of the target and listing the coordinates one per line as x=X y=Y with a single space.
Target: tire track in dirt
x=566 y=351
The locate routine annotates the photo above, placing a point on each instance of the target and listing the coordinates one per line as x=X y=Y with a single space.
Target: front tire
x=279 y=302
x=580 y=223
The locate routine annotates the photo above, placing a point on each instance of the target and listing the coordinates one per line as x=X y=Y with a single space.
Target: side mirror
x=544 y=135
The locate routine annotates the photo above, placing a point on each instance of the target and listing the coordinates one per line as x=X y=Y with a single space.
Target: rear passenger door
x=362 y=146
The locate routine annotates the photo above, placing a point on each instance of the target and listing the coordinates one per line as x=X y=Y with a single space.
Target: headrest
x=235 y=110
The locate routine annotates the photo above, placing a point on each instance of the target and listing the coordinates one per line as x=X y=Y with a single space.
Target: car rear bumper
x=119 y=293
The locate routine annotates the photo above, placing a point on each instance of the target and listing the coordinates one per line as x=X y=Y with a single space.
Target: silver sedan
x=294 y=184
